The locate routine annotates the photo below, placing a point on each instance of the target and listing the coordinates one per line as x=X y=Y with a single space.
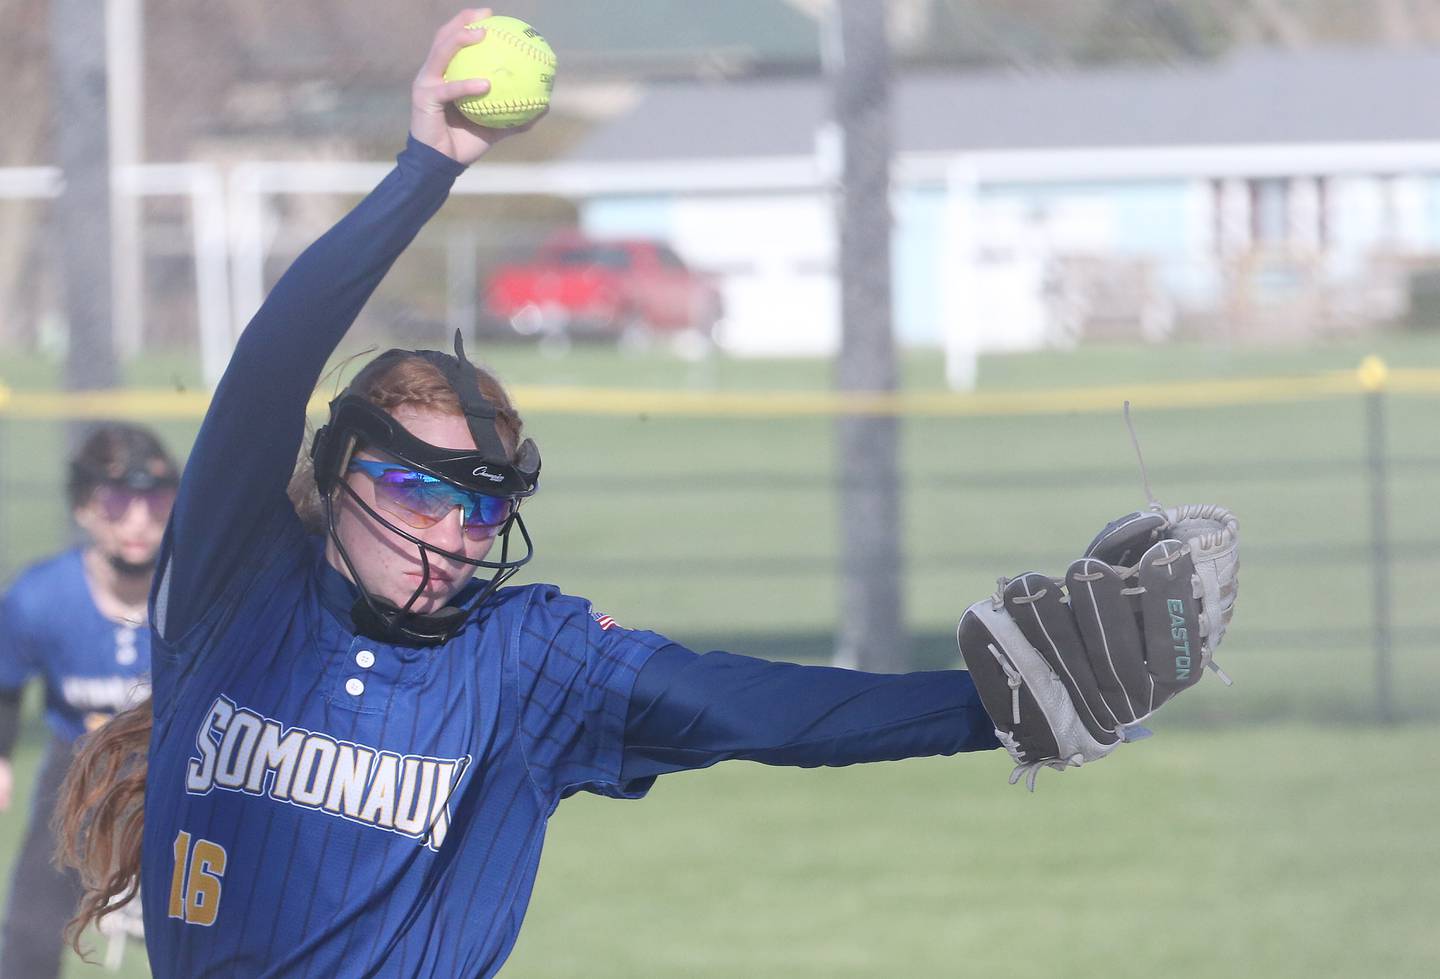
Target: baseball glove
x=1068 y=667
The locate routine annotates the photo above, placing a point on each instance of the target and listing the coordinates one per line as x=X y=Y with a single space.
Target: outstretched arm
x=691 y=711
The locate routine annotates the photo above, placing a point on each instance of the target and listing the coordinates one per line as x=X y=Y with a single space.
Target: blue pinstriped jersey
x=318 y=803
x=356 y=808
x=92 y=667
x=322 y=804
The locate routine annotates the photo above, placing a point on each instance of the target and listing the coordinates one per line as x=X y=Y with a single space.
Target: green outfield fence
x=710 y=515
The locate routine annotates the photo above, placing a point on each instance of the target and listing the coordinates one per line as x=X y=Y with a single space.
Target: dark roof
x=1325 y=95
x=634 y=36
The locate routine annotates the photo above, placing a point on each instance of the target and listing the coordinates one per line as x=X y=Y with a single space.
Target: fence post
x=1372 y=375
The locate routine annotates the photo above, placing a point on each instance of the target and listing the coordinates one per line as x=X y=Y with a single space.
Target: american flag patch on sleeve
x=603 y=620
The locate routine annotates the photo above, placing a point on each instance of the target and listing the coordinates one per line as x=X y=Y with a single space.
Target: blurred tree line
x=323 y=72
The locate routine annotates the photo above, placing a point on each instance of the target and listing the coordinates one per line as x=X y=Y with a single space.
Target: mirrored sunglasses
x=422 y=501
x=115 y=501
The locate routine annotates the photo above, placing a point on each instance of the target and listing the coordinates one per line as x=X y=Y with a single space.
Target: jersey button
x=364 y=659
x=354 y=686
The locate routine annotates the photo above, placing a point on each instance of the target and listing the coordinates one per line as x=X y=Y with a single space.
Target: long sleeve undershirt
x=9 y=721
x=690 y=711
x=240 y=465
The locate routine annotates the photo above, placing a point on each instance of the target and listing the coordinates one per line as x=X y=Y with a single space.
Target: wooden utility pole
x=872 y=630
x=82 y=212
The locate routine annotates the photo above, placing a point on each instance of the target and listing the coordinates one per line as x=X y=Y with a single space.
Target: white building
x=1270 y=195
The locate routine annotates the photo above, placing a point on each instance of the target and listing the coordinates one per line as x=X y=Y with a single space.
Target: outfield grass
x=1283 y=851
x=1271 y=830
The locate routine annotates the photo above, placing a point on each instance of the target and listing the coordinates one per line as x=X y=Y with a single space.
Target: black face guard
x=356 y=423
x=138 y=478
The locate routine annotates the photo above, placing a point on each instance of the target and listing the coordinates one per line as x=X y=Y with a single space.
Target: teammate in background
x=78 y=621
x=357 y=736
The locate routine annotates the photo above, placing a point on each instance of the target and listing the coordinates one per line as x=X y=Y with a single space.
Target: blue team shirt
x=322 y=804
x=380 y=809
x=319 y=803
x=50 y=627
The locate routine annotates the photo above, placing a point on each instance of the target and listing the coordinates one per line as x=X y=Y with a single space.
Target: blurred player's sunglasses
x=422 y=501
x=114 y=502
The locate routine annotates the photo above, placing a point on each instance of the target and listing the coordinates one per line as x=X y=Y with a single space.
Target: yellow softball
x=520 y=67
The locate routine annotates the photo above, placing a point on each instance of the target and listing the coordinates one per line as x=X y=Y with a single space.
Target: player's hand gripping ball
x=520 y=67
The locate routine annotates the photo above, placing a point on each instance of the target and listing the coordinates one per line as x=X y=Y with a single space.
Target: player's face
x=125 y=525
x=389 y=565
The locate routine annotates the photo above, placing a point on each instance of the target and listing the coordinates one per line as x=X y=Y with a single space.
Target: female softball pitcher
x=358 y=735
x=77 y=620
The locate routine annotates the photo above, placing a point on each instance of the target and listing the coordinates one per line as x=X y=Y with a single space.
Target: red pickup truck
x=583 y=287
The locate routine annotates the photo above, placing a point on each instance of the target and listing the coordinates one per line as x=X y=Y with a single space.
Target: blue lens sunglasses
x=422 y=501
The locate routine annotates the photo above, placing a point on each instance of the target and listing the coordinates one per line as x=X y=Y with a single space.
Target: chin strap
x=378 y=619
x=384 y=621
x=132 y=569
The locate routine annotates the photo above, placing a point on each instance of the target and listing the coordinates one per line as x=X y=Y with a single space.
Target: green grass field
x=1287 y=851
x=1282 y=851
x=1272 y=829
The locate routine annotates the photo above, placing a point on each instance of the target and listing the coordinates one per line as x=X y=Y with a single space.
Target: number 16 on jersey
x=195 y=882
